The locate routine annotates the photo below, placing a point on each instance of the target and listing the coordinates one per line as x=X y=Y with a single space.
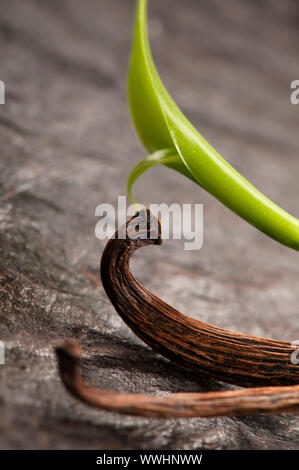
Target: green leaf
x=166 y=157
x=173 y=141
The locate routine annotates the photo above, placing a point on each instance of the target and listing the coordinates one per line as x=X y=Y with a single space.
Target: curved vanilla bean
x=264 y=400
x=224 y=355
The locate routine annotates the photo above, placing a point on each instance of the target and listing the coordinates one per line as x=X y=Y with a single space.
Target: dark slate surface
x=67 y=145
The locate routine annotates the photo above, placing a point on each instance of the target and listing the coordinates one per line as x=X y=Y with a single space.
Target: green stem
x=161 y=125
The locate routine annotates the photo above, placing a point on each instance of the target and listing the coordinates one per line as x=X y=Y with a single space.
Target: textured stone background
x=67 y=145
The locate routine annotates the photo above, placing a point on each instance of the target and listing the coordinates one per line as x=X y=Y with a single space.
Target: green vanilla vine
x=171 y=140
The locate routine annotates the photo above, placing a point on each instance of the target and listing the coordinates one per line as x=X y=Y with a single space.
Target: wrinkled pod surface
x=228 y=356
